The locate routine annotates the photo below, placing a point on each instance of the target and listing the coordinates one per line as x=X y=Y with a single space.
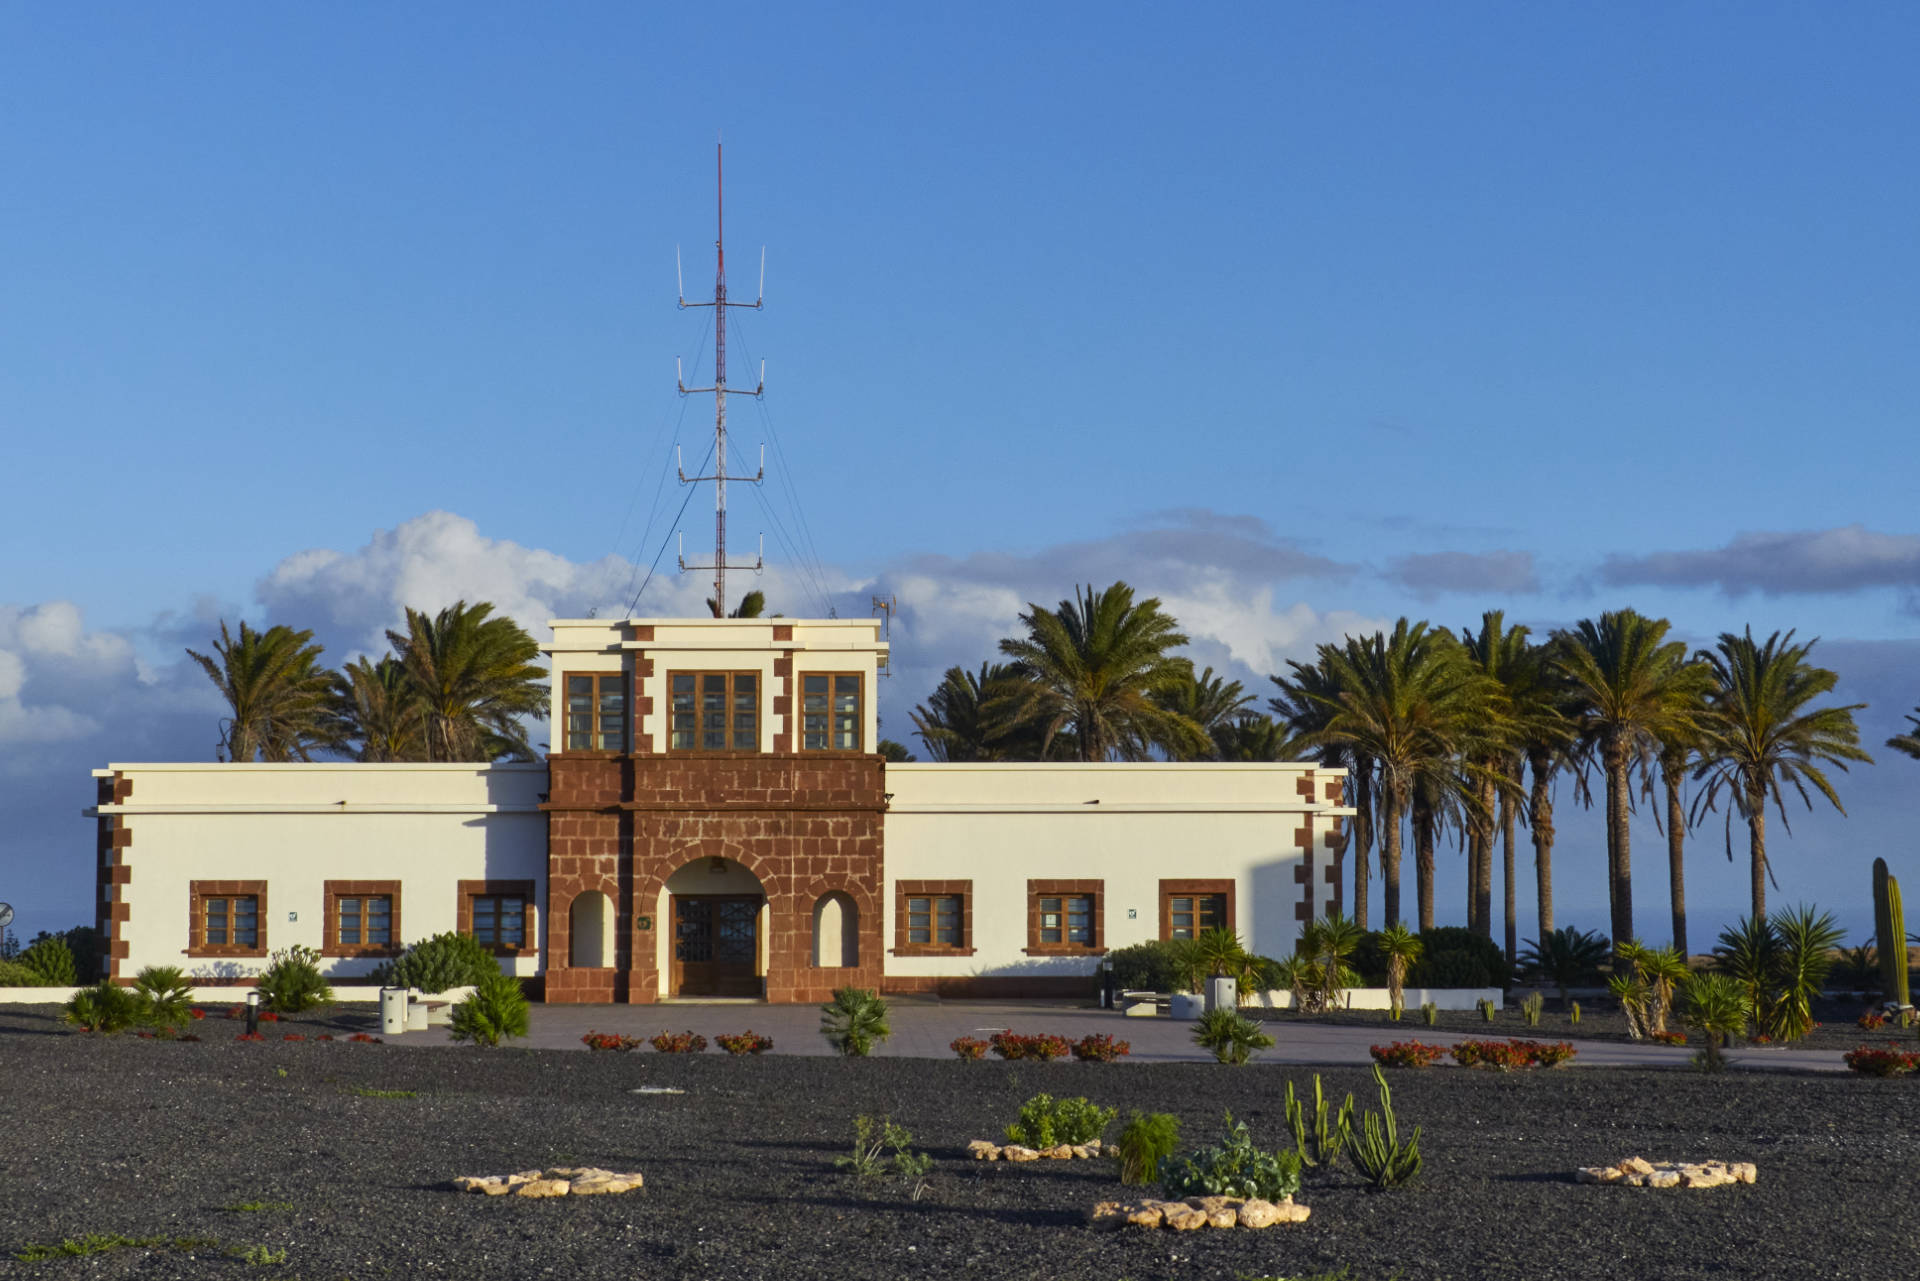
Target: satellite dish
x=6 y=915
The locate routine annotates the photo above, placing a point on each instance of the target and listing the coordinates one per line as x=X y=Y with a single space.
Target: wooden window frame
x=198 y=892
x=904 y=890
x=799 y=726
x=1037 y=890
x=470 y=890
x=627 y=700
x=1193 y=888
x=759 y=711
x=330 y=944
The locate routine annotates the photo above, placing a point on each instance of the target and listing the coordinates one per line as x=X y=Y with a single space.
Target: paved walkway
x=922 y=1028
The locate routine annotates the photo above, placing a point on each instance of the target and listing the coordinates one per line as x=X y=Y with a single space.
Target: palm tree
x=1402 y=701
x=275 y=688
x=1541 y=711
x=1499 y=653
x=1677 y=755
x=954 y=724
x=1097 y=666
x=476 y=677
x=373 y=713
x=752 y=605
x=1209 y=702
x=1252 y=737
x=1564 y=957
x=1630 y=685
x=1762 y=734
x=1910 y=741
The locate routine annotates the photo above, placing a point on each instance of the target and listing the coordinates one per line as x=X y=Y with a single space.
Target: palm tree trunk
x=1423 y=856
x=1619 y=847
x=1483 y=860
x=1757 y=847
x=1507 y=835
x=1473 y=875
x=1390 y=808
x=1676 y=849
x=1540 y=826
x=1362 y=836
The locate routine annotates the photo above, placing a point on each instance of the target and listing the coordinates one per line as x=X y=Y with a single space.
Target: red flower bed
x=324 y=1036
x=268 y=1016
x=968 y=1047
x=1873 y=1020
x=1550 y=1054
x=1511 y=1056
x=364 y=1039
x=1044 y=1046
x=1100 y=1047
x=249 y=1036
x=197 y=1013
x=1406 y=1054
x=293 y=1036
x=1871 y=1062
x=611 y=1041
x=679 y=1043
x=748 y=1042
x=1669 y=1038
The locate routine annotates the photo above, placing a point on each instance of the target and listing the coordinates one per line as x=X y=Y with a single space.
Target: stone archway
x=714 y=925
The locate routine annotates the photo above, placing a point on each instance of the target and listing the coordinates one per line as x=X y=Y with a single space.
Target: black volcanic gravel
x=145 y=1138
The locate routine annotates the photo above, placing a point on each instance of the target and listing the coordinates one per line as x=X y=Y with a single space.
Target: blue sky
x=1301 y=319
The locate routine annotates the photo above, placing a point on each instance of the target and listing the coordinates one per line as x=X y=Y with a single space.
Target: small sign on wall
x=643 y=923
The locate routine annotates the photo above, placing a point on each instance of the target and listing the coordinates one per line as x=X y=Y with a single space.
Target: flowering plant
x=1100 y=1047
x=679 y=1043
x=968 y=1047
x=1549 y=1054
x=1873 y=1020
x=197 y=1013
x=1044 y=1046
x=1406 y=1054
x=293 y=1036
x=748 y=1042
x=364 y=1039
x=249 y=1036
x=611 y=1041
x=1669 y=1038
x=1889 y=1062
x=1501 y=1056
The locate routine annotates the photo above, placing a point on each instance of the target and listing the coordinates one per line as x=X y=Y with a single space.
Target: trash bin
x=393 y=1011
x=416 y=1010
x=1223 y=994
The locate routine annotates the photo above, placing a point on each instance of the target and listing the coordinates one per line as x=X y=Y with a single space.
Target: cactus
x=1890 y=927
x=1327 y=1138
x=1576 y=1014
x=1486 y=1010
x=1377 y=1152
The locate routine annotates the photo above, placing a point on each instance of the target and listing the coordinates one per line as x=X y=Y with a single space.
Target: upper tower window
x=597 y=713
x=716 y=711
x=830 y=712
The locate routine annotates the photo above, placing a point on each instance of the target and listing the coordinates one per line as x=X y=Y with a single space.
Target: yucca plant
x=165 y=996
x=1401 y=948
x=1807 y=939
x=855 y=1021
x=1748 y=953
x=1662 y=970
x=1328 y=944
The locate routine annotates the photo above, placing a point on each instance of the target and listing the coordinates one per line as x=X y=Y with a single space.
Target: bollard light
x=253 y=1010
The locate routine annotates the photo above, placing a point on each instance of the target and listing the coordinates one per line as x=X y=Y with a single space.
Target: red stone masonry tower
x=716 y=808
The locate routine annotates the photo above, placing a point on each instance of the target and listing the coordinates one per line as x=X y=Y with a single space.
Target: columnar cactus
x=1890 y=929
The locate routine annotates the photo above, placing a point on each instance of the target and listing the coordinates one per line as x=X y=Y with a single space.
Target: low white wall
x=209 y=998
x=1376 y=998
x=1128 y=826
x=297 y=827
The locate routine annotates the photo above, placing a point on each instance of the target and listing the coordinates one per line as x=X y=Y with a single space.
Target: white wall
x=298 y=826
x=1129 y=825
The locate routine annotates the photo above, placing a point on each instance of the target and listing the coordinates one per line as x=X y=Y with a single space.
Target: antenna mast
x=719 y=389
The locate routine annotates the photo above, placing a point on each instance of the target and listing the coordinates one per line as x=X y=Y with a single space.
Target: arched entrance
x=715 y=946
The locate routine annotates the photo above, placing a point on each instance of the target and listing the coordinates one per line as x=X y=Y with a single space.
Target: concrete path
x=922 y=1028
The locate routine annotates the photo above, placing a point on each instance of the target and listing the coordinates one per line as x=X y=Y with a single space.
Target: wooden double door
x=716 y=945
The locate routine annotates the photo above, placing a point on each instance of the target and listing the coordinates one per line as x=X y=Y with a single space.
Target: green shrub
x=52 y=960
x=1234 y=1168
x=872 y=1136
x=292 y=983
x=104 y=1008
x=1153 y=966
x=1148 y=1139
x=1457 y=957
x=1047 y=1122
x=165 y=996
x=855 y=1021
x=496 y=1010
x=1232 y=1038
x=439 y=964
x=14 y=974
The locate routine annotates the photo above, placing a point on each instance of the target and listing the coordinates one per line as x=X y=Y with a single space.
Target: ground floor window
x=1187 y=908
x=1064 y=918
x=363 y=918
x=499 y=914
x=229 y=918
x=933 y=918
